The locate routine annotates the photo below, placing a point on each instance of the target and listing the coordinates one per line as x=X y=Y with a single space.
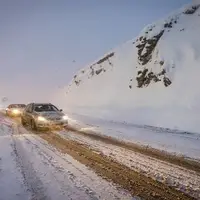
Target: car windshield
x=21 y=105
x=45 y=108
x=18 y=106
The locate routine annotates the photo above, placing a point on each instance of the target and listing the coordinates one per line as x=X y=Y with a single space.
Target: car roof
x=15 y=104
x=42 y=103
x=37 y=104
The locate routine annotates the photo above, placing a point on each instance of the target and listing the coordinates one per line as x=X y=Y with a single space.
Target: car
x=15 y=110
x=43 y=116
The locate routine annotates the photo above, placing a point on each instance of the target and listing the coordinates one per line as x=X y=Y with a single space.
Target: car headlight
x=42 y=119
x=65 y=117
x=15 y=111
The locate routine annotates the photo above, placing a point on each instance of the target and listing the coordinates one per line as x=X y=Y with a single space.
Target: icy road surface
x=31 y=169
x=172 y=141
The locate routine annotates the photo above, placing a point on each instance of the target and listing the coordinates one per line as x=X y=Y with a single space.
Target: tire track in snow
x=49 y=161
x=31 y=180
x=73 y=179
x=181 y=178
x=12 y=185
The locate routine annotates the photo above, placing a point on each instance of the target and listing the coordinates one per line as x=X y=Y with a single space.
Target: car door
x=30 y=113
x=24 y=114
x=27 y=113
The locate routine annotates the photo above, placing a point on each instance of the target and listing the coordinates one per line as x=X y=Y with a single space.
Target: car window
x=27 y=108
x=31 y=108
x=11 y=106
x=21 y=105
x=45 y=108
x=17 y=106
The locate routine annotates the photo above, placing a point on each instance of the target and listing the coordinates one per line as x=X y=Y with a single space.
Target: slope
x=150 y=80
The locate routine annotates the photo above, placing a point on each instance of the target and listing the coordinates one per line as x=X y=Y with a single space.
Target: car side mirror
x=61 y=110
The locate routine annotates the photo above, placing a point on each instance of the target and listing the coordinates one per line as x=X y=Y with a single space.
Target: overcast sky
x=41 y=39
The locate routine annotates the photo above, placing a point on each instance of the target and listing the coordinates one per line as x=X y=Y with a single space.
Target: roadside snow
x=173 y=141
x=185 y=180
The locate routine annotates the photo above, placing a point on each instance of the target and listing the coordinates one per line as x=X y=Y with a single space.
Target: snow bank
x=150 y=80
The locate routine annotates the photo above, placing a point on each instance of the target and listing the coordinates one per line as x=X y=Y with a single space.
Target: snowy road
x=31 y=169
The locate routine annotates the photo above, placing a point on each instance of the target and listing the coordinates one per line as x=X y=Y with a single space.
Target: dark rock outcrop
x=191 y=10
x=98 y=71
x=166 y=81
x=106 y=58
x=144 y=78
x=147 y=45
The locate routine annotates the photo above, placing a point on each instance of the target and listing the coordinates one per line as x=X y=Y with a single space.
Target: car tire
x=23 y=122
x=65 y=126
x=33 y=125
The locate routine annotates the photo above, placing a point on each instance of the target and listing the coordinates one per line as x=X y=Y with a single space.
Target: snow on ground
x=31 y=169
x=173 y=141
x=150 y=80
x=11 y=179
x=178 y=177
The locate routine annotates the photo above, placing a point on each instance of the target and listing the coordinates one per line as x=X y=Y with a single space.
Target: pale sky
x=40 y=39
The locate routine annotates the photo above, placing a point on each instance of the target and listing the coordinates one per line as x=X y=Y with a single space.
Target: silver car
x=42 y=116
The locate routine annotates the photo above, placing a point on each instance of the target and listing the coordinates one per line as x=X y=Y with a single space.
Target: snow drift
x=153 y=79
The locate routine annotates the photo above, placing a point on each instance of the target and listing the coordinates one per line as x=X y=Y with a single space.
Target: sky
x=44 y=42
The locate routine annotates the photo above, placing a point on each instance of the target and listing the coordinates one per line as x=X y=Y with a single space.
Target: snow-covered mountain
x=153 y=79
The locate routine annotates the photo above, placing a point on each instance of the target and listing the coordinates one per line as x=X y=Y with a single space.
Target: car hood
x=51 y=115
x=20 y=109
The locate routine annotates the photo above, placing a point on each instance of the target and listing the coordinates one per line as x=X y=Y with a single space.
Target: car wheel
x=23 y=122
x=33 y=125
x=65 y=126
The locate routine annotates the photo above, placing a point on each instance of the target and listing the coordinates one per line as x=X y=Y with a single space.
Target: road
x=32 y=169
x=73 y=165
